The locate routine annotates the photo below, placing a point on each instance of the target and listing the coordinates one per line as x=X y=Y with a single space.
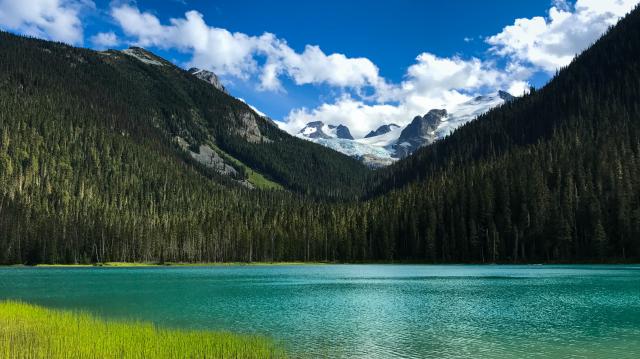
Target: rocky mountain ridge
x=209 y=77
x=390 y=142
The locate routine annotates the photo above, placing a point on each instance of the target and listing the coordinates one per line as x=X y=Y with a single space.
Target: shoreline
x=269 y=264
x=169 y=264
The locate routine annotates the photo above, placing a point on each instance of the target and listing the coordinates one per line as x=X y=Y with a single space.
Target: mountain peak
x=314 y=130
x=318 y=129
x=434 y=116
x=420 y=132
x=342 y=132
x=209 y=77
x=381 y=130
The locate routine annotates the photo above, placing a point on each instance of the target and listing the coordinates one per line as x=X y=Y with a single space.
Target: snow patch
x=308 y=131
x=383 y=140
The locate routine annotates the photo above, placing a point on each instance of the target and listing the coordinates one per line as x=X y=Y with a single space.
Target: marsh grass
x=29 y=331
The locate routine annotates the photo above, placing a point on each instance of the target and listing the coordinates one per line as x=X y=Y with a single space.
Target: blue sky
x=361 y=63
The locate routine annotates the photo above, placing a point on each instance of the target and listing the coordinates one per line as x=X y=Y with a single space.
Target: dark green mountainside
x=95 y=163
x=98 y=162
x=148 y=99
x=554 y=175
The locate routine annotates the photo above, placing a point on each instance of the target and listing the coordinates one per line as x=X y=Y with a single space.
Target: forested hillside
x=90 y=170
x=551 y=176
x=143 y=97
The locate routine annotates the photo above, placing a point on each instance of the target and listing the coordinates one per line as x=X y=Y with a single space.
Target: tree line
x=87 y=176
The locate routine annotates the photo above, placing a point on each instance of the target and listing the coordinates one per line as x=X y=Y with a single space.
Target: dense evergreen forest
x=90 y=171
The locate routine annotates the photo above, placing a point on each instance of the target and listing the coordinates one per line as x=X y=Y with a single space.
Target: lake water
x=368 y=311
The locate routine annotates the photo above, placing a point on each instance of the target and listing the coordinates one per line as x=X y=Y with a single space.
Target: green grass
x=261 y=181
x=28 y=331
x=255 y=178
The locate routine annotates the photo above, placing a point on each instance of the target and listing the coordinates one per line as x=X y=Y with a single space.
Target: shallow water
x=368 y=311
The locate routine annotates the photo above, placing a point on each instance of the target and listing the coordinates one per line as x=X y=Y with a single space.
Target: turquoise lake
x=368 y=311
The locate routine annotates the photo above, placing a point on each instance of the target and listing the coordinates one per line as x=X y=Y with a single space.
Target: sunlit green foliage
x=28 y=331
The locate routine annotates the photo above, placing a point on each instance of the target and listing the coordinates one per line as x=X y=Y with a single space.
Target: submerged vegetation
x=28 y=331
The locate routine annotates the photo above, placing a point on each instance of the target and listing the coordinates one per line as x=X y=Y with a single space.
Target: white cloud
x=237 y=54
x=355 y=114
x=549 y=43
x=50 y=19
x=367 y=100
x=313 y=66
x=529 y=45
x=104 y=40
x=432 y=82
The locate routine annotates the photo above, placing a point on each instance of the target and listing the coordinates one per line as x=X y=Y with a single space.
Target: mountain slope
x=550 y=176
x=103 y=156
x=381 y=130
x=146 y=96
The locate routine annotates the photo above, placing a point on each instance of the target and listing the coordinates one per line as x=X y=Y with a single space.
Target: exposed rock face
x=420 y=132
x=318 y=129
x=209 y=77
x=381 y=130
x=210 y=158
x=248 y=127
x=314 y=130
x=143 y=56
x=342 y=132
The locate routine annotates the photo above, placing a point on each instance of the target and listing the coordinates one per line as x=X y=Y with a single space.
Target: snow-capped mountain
x=319 y=129
x=420 y=132
x=382 y=130
x=390 y=142
x=467 y=111
x=339 y=138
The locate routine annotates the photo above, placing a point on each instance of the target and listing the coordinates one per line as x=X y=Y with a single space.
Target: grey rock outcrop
x=209 y=77
x=420 y=132
x=381 y=130
x=315 y=130
x=342 y=132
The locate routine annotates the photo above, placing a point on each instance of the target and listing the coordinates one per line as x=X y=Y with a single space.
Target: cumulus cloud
x=549 y=43
x=104 y=40
x=431 y=82
x=217 y=49
x=236 y=54
x=57 y=20
x=528 y=46
x=366 y=99
x=354 y=113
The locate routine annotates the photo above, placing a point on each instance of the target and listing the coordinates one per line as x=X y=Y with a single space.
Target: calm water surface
x=368 y=311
